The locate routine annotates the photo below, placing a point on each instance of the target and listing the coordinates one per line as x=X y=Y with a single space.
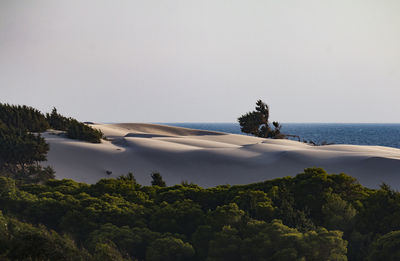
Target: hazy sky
x=204 y=60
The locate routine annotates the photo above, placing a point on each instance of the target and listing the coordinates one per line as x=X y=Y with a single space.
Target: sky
x=204 y=60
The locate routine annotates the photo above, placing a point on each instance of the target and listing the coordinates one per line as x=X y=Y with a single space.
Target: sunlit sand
x=211 y=158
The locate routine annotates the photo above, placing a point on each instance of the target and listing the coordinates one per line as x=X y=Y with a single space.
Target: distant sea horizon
x=373 y=134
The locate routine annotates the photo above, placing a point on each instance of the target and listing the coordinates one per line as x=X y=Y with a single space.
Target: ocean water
x=337 y=133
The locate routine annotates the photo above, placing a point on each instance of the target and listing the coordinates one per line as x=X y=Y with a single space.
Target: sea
x=332 y=133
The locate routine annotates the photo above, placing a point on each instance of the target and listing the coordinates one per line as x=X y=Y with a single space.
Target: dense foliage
x=22 y=148
x=81 y=131
x=257 y=123
x=74 y=129
x=313 y=216
x=20 y=154
x=57 y=121
x=23 y=118
x=27 y=119
x=22 y=151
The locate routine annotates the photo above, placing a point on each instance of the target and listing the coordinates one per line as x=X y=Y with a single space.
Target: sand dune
x=211 y=158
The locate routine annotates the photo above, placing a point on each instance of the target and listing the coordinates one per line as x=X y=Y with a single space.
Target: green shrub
x=81 y=131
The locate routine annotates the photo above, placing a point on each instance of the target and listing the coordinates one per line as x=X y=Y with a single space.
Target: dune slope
x=211 y=158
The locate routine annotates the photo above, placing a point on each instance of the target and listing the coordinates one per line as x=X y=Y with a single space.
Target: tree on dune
x=257 y=123
x=57 y=121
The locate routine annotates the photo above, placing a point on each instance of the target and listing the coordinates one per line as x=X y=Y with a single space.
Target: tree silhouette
x=57 y=121
x=128 y=177
x=257 y=123
x=157 y=180
x=74 y=129
x=20 y=155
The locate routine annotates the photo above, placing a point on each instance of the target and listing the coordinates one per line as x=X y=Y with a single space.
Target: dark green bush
x=81 y=131
x=23 y=118
x=74 y=129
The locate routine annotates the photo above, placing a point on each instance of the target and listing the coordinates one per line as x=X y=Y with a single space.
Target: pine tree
x=157 y=180
x=257 y=123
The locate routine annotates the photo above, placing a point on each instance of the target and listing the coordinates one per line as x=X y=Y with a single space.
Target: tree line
x=74 y=129
x=312 y=216
x=22 y=147
x=28 y=119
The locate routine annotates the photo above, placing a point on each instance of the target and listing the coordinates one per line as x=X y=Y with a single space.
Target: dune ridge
x=210 y=158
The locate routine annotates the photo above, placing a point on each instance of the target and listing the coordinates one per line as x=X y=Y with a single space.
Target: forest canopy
x=312 y=216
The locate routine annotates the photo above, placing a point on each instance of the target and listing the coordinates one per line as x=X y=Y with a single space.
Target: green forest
x=310 y=216
x=28 y=119
x=22 y=147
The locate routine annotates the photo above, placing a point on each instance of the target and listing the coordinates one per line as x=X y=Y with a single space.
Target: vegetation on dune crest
x=23 y=118
x=257 y=123
x=81 y=131
x=22 y=148
x=74 y=129
x=28 y=119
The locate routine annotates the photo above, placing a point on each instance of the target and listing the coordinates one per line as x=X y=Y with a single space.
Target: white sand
x=212 y=158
